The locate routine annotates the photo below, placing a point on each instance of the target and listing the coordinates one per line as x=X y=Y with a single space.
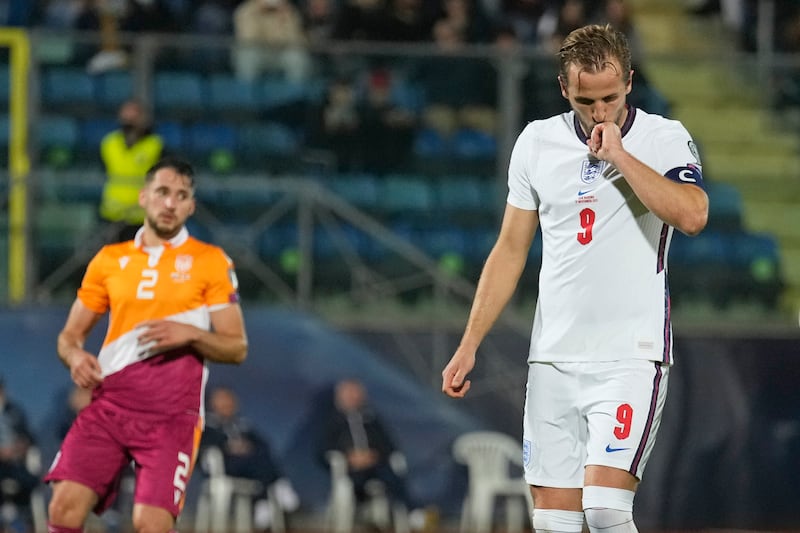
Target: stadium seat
x=271 y=138
x=473 y=144
x=173 y=133
x=725 y=209
x=494 y=469
x=114 y=88
x=273 y=93
x=67 y=86
x=57 y=131
x=403 y=194
x=459 y=194
x=429 y=143
x=228 y=93
x=178 y=92
x=361 y=190
x=93 y=130
x=5 y=130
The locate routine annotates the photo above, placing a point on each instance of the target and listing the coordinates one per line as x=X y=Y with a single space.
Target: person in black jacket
x=356 y=430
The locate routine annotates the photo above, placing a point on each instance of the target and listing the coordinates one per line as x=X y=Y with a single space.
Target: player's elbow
x=695 y=218
x=240 y=354
x=694 y=224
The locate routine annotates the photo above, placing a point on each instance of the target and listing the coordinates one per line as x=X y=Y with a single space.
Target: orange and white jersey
x=183 y=280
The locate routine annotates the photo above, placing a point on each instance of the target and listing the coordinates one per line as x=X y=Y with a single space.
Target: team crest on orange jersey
x=183 y=264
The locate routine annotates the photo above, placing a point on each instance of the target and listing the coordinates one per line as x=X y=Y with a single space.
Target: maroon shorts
x=103 y=441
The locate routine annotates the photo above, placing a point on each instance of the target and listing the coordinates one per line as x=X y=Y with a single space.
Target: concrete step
x=782 y=219
x=741 y=167
x=686 y=80
x=734 y=124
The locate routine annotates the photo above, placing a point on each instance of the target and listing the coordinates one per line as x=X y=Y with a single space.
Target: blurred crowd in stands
x=538 y=22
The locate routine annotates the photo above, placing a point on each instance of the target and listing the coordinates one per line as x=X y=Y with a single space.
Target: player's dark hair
x=181 y=166
x=592 y=48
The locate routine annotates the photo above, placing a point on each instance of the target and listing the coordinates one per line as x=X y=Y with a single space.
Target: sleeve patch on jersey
x=691 y=173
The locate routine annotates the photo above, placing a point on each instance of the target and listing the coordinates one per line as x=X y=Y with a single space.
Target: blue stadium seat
x=273 y=93
x=271 y=138
x=429 y=143
x=407 y=95
x=57 y=131
x=67 y=86
x=456 y=194
x=114 y=88
x=93 y=130
x=402 y=194
x=228 y=93
x=473 y=144
x=725 y=209
x=173 y=133
x=178 y=91
x=439 y=240
x=205 y=137
x=361 y=190
x=276 y=240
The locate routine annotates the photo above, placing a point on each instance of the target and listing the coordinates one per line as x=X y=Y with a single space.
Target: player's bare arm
x=497 y=283
x=682 y=206
x=225 y=343
x=84 y=368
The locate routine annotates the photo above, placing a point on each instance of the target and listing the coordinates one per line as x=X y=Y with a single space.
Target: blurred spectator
x=16 y=481
x=319 y=20
x=213 y=18
x=246 y=453
x=387 y=129
x=559 y=21
x=618 y=13
x=460 y=92
x=406 y=21
x=336 y=125
x=270 y=38
x=356 y=430
x=359 y=20
x=127 y=153
x=524 y=17
x=468 y=18
x=111 y=18
x=58 y=14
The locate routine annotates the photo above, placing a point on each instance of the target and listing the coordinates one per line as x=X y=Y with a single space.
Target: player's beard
x=164 y=231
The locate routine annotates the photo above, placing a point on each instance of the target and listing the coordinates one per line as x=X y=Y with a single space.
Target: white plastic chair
x=221 y=492
x=379 y=510
x=490 y=457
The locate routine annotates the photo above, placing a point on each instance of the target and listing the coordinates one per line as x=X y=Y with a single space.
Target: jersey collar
x=626 y=126
x=174 y=242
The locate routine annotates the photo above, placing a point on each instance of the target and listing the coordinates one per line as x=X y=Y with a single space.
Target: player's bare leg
x=151 y=519
x=70 y=505
x=557 y=510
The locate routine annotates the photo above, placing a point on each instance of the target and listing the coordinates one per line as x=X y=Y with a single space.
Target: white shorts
x=599 y=413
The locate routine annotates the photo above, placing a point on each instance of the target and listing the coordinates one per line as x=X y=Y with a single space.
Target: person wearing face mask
x=127 y=153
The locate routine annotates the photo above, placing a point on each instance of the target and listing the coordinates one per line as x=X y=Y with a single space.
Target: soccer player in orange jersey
x=173 y=305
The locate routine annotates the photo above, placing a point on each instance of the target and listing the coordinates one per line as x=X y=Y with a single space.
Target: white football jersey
x=603 y=292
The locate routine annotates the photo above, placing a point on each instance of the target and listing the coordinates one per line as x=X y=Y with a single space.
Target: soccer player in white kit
x=607 y=183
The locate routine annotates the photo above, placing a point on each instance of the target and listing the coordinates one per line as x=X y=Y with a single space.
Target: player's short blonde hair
x=593 y=48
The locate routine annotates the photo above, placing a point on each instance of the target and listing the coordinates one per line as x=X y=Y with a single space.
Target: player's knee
x=608 y=510
x=557 y=521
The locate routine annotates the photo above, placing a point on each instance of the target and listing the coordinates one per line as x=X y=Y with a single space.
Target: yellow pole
x=19 y=164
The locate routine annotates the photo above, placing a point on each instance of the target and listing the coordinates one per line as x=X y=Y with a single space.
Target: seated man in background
x=356 y=430
x=246 y=453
